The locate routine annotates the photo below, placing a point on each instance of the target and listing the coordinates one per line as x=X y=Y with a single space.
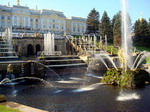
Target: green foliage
x=105 y=27
x=116 y=23
x=149 y=24
x=129 y=79
x=143 y=48
x=110 y=48
x=92 y=22
x=147 y=60
x=142 y=33
x=7 y=109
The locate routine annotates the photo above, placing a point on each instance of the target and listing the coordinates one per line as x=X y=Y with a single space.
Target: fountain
x=84 y=89
x=7 y=80
x=129 y=74
x=49 y=44
x=6 y=48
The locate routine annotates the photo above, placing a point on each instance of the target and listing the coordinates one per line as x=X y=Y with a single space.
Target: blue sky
x=81 y=8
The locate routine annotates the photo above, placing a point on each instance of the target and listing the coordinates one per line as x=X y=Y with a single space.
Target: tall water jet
x=128 y=75
x=126 y=36
x=49 y=44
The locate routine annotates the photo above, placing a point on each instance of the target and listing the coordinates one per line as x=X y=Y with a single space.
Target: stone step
x=67 y=65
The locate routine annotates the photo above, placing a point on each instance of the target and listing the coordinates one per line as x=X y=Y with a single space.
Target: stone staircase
x=63 y=61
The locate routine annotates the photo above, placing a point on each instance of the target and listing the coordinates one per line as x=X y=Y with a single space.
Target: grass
x=7 y=109
x=148 y=60
x=143 y=48
x=110 y=48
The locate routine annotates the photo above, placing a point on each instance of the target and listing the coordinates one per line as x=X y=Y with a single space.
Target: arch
x=29 y=50
x=38 y=48
x=55 y=47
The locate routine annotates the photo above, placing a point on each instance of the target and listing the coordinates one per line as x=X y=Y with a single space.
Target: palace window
x=50 y=20
x=36 y=26
x=44 y=26
x=74 y=29
x=36 y=20
x=21 y=18
x=8 y=17
x=78 y=29
x=2 y=17
x=54 y=20
x=53 y=26
x=31 y=20
x=50 y=26
x=57 y=26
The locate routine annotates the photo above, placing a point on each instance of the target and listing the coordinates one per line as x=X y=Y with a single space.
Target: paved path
x=22 y=108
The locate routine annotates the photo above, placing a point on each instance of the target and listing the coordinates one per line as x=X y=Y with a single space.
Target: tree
x=149 y=24
x=116 y=24
x=105 y=27
x=142 y=33
x=92 y=22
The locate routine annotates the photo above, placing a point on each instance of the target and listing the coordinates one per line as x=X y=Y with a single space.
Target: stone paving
x=22 y=108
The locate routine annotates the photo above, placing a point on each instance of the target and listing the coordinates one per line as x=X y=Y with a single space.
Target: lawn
x=143 y=48
x=7 y=109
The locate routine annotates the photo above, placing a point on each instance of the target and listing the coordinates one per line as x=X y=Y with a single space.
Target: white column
x=0 y=21
x=59 y=24
x=29 y=24
x=64 y=25
x=13 y=20
x=24 y=21
x=41 y=25
x=71 y=27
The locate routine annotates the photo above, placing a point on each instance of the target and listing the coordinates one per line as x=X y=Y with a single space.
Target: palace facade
x=23 y=19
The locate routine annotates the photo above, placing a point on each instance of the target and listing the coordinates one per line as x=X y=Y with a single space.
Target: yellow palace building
x=22 y=19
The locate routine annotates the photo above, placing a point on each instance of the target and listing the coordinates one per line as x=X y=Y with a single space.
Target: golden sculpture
x=141 y=19
x=121 y=58
x=10 y=68
x=41 y=55
x=36 y=35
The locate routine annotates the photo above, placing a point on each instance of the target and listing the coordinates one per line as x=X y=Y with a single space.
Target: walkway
x=22 y=108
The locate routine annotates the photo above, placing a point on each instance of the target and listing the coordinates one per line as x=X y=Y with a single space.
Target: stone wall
x=30 y=45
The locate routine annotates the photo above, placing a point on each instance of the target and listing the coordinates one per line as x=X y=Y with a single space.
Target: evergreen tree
x=105 y=27
x=92 y=22
x=116 y=24
x=149 y=24
x=142 y=33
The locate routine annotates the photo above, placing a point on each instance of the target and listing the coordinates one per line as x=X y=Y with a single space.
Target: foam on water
x=126 y=96
x=67 y=81
x=75 y=78
x=88 y=88
x=58 y=91
x=91 y=75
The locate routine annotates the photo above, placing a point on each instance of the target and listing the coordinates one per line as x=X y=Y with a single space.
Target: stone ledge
x=22 y=108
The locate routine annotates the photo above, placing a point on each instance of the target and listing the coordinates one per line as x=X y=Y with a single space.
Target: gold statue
x=65 y=33
x=41 y=55
x=10 y=68
x=121 y=58
x=141 y=19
